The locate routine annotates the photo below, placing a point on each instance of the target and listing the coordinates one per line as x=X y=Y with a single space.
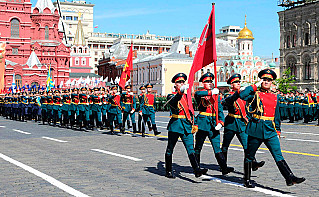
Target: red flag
x=126 y=73
x=205 y=55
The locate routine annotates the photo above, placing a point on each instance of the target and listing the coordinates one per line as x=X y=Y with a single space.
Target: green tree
x=284 y=84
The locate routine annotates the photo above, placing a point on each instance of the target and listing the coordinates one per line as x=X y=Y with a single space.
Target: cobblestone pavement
x=39 y=160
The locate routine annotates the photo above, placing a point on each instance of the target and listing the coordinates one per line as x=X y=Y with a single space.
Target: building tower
x=245 y=41
x=80 y=54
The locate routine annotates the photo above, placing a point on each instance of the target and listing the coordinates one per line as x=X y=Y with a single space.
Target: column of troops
x=297 y=106
x=86 y=109
x=254 y=117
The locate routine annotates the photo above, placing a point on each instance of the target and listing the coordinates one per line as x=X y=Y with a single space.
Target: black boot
x=247 y=174
x=198 y=161
x=291 y=179
x=291 y=119
x=111 y=129
x=143 y=129
x=225 y=156
x=168 y=166
x=155 y=130
x=122 y=129
x=101 y=125
x=197 y=171
x=222 y=163
x=134 y=128
x=256 y=165
x=149 y=126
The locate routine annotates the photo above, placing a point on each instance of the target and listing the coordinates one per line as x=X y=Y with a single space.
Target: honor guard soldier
x=105 y=107
x=291 y=104
x=115 y=110
x=44 y=104
x=180 y=126
x=56 y=107
x=129 y=106
x=236 y=120
x=148 y=109
x=96 y=108
x=206 y=121
x=141 y=124
x=83 y=108
x=74 y=113
x=264 y=126
x=50 y=107
x=66 y=112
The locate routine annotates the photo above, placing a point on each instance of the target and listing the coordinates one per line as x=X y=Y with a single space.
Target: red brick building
x=33 y=42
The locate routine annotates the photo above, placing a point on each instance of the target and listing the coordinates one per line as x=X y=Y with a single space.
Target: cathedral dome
x=245 y=33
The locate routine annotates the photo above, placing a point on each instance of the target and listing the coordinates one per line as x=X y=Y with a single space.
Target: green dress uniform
x=96 y=108
x=115 y=111
x=264 y=127
x=84 y=113
x=206 y=122
x=180 y=126
x=74 y=109
x=128 y=103
x=291 y=106
x=65 y=108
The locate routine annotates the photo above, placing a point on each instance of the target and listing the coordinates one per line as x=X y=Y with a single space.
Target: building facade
x=299 y=42
x=230 y=34
x=34 y=42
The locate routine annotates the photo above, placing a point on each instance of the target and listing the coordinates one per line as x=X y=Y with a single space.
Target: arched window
x=307 y=70
x=15 y=26
x=36 y=84
x=294 y=40
x=83 y=61
x=77 y=61
x=46 y=33
x=307 y=39
x=18 y=80
x=291 y=63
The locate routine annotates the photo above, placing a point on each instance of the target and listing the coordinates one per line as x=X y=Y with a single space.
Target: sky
x=188 y=17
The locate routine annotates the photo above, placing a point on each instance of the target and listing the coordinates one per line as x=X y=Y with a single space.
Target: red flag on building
x=205 y=54
x=126 y=73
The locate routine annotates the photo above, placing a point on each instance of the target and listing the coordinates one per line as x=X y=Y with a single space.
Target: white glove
x=242 y=88
x=184 y=87
x=131 y=93
x=219 y=126
x=140 y=113
x=117 y=93
x=131 y=112
x=100 y=103
x=215 y=91
x=258 y=84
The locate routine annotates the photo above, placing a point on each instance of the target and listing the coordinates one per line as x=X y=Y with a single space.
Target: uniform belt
x=74 y=103
x=114 y=105
x=83 y=103
x=207 y=114
x=234 y=115
x=263 y=117
x=178 y=116
x=148 y=105
x=128 y=103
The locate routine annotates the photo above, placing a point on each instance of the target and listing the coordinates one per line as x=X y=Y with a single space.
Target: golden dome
x=245 y=33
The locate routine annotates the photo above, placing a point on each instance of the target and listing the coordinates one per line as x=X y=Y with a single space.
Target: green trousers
x=187 y=139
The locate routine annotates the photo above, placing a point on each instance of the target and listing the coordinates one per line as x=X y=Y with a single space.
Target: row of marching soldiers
x=297 y=106
x=253 y=117
x=84 y=108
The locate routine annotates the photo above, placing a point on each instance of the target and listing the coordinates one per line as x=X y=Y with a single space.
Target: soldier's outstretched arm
x=248 y=93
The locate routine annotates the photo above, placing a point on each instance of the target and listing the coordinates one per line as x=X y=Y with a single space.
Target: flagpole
x=215 y=65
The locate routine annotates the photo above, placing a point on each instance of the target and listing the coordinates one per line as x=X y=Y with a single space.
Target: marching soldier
x=264 y=126
x=65 y=108
x=115 y=110
x=236 y=120
x=50 y=107
x=291 y=101
x=74 y=108
x=83 y=108
x=180 y=126
x=148 y=110
x=96 y=108
x=56 y=107
x=141 y=124
x=44 y=110
x=128 y=106
x=206 y=121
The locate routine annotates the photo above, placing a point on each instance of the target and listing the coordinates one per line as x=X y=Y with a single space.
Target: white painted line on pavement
x=238 y=149
x=290 y=132
x=23 y=132
x=161 y=122
x=116 y=154
x=53 y=139
x=257 y=189
x=301 y=140
x=161 y=127
x=2 y=126
x=49 y=179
